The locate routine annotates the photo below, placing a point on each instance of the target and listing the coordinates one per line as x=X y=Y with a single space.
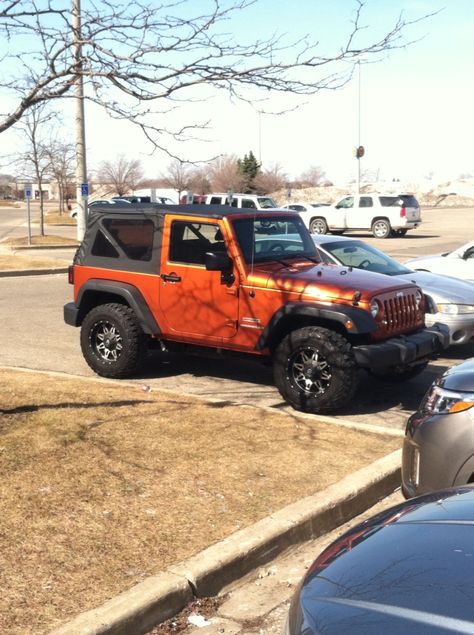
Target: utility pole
x=81 y=167
x=358 y=128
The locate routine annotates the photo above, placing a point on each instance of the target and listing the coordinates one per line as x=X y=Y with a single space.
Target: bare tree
x=177 y=177
x=122 y=175
x=133 y=54
x=312 y=177
x=226 y=176
x=34 y=162
x=199 y=180
x=62 y=166
x=270 y=179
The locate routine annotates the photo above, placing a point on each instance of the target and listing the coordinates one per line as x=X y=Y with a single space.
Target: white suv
x=249 y=201
x=384 y=214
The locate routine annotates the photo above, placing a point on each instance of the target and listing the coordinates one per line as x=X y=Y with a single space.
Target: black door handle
x=170 y=277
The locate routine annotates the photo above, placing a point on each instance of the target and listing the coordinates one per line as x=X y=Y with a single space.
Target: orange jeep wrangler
x=219 y=279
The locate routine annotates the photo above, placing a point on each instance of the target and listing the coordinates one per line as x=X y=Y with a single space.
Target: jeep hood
x=327 y=281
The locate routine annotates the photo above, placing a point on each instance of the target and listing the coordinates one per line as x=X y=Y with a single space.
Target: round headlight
x=374 y=308
x=418 y=298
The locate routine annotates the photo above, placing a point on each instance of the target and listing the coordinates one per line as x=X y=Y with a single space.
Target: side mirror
x=217 y=261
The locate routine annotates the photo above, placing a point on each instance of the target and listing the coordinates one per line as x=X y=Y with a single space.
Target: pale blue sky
x=417 y=103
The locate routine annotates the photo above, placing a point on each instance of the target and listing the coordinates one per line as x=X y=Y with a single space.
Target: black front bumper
x=404 y=350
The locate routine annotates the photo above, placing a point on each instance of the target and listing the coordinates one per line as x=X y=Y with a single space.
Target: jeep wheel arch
x=294 y=315
x=95 y=292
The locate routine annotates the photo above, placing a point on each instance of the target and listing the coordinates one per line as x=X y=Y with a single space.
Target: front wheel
x=112 y=341
x=315 y=370
x=318 y=226
x=381 y=228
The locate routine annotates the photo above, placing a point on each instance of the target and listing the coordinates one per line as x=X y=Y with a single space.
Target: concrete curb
x=158 y=598
x=32 y=272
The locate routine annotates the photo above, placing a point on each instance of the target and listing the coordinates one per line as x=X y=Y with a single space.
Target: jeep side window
x=216 y=200
x=248 y=203
x=189 y=241
x=133 y=236
x=102 y=246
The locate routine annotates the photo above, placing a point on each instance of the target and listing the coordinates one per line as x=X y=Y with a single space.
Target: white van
x=248 y=201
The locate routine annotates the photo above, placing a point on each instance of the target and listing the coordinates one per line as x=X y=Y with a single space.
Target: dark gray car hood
x=460 y=378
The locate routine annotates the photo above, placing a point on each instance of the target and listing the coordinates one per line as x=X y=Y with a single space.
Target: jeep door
x=194 y=302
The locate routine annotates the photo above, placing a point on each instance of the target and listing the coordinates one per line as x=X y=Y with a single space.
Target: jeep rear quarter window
x=133 y=236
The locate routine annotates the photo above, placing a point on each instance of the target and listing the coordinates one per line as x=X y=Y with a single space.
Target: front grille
x=400 y=313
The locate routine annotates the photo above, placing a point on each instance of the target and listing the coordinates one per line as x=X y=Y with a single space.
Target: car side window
x=365 y=201
x=346 y=202
x=248 y=203
x=189 y=242
x=296 y=208
x=469 y=253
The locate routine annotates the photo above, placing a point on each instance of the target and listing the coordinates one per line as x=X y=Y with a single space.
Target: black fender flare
x=132 y=296
x=362 y=321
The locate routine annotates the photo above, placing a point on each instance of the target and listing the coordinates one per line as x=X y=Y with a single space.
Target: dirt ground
x=105 y=484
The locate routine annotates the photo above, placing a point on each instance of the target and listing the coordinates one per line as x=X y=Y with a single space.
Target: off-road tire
x=112 y=341
x=399 y=374
x=318 y=226
x=381 y=228
x=314 y=370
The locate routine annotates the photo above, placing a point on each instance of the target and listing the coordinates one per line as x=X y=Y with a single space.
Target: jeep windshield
x=269 y=238
x=266 y=202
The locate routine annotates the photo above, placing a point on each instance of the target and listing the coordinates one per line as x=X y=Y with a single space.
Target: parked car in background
x=163 y=200
x=449 y=301
x=405 y=571
x=307 y=211
x=248 y=201
x=102 y=201
x=385 y=215
x=197 y=199
x=438 y=449
x=458 y=263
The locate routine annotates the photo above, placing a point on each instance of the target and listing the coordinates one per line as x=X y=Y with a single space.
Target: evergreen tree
x=248 y=168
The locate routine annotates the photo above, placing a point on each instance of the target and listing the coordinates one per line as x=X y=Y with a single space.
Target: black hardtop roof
x=211 y=211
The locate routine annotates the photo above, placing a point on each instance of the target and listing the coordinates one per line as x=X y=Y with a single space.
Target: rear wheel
x=318 y=226
x=112 y=341
x=315 y=370
x=381 y=228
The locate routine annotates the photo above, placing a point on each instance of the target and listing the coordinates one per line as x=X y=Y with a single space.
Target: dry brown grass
x=105 y=484
x=55 y=218
x=38 y=240
x=21 y=263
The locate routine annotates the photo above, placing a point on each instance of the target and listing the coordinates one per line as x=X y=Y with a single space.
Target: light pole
x=359 y=147
x=81 y=167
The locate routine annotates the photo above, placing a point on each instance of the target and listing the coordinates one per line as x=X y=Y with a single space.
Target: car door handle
x=170 y=277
